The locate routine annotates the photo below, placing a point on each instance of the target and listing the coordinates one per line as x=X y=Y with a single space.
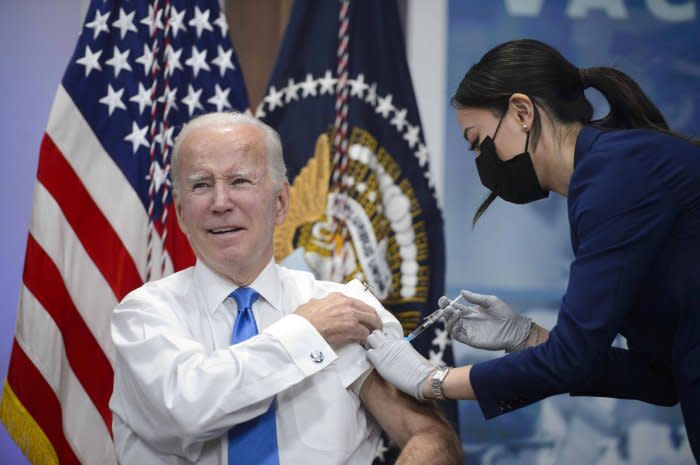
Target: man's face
x=227 y=204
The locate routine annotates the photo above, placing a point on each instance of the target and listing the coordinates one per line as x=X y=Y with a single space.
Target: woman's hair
x=535 y=69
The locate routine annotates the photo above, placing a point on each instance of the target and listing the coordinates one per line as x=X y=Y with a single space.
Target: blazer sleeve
x=631 y=375
x=622 y=218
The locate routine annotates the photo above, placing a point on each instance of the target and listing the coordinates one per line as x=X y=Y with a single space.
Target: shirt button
x=316 y=356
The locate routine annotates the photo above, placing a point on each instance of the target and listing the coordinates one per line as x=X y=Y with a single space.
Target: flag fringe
x=24 y=430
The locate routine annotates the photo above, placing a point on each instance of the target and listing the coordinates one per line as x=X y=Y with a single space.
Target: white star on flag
x=399 y=119
x=192 y=99
x=137 y=137
x=371 y=97
x=143 y=97
x=153 y=21
x=221 y=22
x=429 y=178
x=435 y=358
x=160 y=176
x=358 y=86
x=125 y=23
x=382 y=449
x=411 y=135
x=172 y=60
x=308 y=87
x=113 y=99
x=384 y=106
x=90 y=60
x=164 y=136
x=327 y=83
x=119 y=61
x=169 y=98
x=220 y=99
x=274 y=98
x=176 y=21
x=223 y=60
x=147 y=59
x=99 y=24
x=200 y=21
x=422 y=155
x=441 y=339
x=198 y=61
x=290 y=92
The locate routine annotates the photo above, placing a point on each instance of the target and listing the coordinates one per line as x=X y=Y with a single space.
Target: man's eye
x=199 y=186
x=239 y=181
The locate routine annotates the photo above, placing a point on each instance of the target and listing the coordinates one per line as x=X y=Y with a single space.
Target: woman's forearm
x=456 y=385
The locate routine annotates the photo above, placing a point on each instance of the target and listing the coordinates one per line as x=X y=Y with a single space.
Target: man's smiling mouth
x=225 y=230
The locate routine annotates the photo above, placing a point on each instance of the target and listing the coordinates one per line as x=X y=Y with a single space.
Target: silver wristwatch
x=436 y=382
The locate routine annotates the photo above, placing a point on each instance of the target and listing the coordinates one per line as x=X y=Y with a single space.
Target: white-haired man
x=238 y=360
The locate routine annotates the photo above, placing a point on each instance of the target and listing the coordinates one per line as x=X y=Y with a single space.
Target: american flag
x=102 y=220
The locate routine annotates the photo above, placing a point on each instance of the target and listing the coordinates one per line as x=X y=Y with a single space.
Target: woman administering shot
x=633 y=193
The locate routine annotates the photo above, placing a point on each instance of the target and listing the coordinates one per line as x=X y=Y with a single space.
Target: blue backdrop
x=522 y=253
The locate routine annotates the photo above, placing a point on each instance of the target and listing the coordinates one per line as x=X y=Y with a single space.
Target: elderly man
x=240 y=361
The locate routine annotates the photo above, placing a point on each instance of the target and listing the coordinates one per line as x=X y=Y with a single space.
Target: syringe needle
x=429 y=321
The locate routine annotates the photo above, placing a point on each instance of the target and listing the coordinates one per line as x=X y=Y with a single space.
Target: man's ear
x=523 y=110
x=282 y=203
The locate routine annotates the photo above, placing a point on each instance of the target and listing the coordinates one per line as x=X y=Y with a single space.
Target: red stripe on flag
x=177 y=245
x=41 y=402
x=85 y=356
x=92 y=228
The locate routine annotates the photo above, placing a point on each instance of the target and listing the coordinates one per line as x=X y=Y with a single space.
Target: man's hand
x=399 y=363
x=341 y=319
x=489 y=325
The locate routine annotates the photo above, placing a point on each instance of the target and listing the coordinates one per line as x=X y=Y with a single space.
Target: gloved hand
x=398 y=363
x=489 y=325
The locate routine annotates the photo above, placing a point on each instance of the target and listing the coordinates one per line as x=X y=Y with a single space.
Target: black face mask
x=513 y=180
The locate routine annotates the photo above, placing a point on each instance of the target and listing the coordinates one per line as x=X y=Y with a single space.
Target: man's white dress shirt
x=179 y=384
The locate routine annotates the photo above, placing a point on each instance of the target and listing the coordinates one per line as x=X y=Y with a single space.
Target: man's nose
x=222 y=197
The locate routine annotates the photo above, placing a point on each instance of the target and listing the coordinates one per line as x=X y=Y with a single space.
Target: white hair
x=273 y=146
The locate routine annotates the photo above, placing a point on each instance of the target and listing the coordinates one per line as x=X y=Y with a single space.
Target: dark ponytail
x=630 y=107
x=557 y=87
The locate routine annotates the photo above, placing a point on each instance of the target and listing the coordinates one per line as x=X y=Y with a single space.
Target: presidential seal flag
x=363 y=203
x=102 y=219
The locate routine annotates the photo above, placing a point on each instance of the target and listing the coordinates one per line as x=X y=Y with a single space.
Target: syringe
x=429 y=321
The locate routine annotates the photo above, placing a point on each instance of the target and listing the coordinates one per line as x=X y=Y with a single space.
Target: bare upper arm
x=402 y=417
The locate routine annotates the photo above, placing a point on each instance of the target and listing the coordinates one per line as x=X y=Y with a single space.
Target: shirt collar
x=215 y=288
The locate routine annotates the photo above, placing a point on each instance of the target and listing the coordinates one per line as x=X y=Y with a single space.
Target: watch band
x=436 y=382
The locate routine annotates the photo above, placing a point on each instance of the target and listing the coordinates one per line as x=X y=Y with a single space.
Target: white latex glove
x=490 y=324
x=398 y=363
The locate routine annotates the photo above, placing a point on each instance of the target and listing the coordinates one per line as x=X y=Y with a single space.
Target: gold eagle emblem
x=307 y=198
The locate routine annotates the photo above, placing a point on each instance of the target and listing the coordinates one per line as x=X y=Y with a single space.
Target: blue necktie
x=253 y=442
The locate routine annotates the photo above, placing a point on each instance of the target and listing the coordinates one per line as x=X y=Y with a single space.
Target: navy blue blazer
x=634 y=212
